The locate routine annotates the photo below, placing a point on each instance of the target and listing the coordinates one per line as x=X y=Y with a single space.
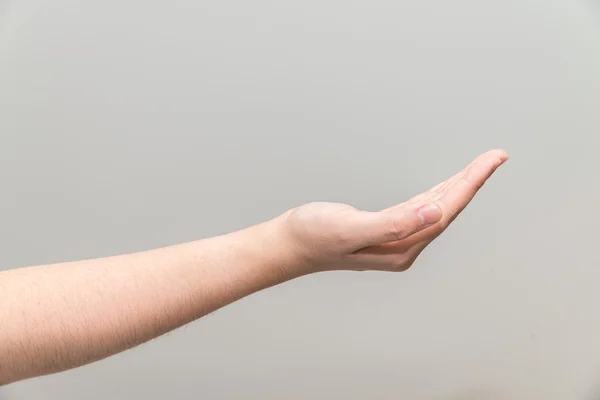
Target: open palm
x=338 y=236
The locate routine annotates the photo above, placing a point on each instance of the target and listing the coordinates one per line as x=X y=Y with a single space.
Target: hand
x=330 y=236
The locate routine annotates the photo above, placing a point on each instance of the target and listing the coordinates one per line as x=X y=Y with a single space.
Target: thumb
x=396 y=223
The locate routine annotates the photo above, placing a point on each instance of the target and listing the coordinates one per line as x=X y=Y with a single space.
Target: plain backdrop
x=127 y=125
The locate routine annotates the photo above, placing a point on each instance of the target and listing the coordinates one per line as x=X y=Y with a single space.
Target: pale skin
x=61 y=316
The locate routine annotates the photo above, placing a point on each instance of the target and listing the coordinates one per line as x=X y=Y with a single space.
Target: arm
x=61 y=316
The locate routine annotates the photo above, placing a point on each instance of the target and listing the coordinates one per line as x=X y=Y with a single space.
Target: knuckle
x=406 y=262
x=401 y=263
x=469 y=181
x=396 y=230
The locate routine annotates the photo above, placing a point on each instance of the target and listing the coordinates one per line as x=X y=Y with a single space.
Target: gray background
x=127 y=125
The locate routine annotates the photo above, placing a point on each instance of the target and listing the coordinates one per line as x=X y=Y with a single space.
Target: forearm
x=61 y=316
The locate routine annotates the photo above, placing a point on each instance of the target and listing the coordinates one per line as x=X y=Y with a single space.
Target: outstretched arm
x=61 y=316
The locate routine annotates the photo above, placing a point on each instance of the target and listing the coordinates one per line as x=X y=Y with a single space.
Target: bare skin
x=61 y=316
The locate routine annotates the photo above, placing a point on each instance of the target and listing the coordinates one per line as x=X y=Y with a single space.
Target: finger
x=457 y=195
x=442 y=189
x=455 y=198
x=438 y=191
x=397 y=223
x=453 y=195
x=433 y=194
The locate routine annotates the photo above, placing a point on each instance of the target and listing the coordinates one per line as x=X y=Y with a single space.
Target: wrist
x=263 y=255
x=279 y=249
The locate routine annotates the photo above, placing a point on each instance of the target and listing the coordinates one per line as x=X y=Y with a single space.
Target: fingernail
x=429 y=214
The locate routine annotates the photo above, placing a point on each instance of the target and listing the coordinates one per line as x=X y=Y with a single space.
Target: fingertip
x=499 y=154
x=492 y=159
